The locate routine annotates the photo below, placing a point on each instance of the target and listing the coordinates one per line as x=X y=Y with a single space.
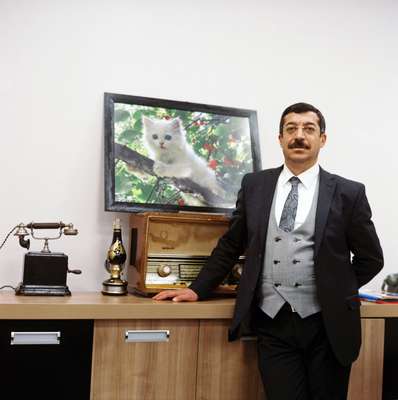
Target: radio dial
x=164 y=270
x=237 y=271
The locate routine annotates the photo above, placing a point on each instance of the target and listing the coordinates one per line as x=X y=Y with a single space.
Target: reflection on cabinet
x=226 y=370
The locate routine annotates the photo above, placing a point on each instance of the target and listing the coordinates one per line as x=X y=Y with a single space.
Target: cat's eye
x=167 y=137
x=155 y=137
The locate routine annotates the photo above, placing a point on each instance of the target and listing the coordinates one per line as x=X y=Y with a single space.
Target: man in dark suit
x=310 y=245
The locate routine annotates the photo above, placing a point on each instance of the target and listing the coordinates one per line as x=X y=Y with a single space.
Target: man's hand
x=177 y=295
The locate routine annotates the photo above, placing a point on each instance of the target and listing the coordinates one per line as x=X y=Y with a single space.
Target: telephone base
x=42 y=290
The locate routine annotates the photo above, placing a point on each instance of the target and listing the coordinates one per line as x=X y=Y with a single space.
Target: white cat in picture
x=173 y=156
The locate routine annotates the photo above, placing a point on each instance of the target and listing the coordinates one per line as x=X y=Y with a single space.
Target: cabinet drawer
x=47 y=359
x=145 y=359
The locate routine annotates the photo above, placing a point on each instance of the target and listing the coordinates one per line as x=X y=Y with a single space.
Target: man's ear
x=323 y=139
x=280 y=138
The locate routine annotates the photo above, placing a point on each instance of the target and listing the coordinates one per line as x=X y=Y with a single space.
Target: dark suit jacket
x=347 y=253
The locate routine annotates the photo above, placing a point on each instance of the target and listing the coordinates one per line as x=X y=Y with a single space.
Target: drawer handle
x=147 y=336
x=18 y=338
x=248 y=338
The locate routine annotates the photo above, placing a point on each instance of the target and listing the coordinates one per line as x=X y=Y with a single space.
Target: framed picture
x=164 y=155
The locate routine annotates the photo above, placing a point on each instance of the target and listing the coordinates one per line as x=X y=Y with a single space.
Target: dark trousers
x=295 y=358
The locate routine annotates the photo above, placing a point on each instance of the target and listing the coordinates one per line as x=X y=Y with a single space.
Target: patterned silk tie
x=290 y=208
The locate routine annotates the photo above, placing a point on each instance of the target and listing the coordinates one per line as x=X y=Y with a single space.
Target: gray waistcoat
x=288 y=273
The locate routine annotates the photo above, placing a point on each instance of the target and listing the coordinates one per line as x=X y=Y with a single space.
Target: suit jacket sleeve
x=367 y=255
x=224 y=256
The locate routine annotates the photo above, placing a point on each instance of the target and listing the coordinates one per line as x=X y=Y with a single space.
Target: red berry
x=208 y=147
x=213 y=164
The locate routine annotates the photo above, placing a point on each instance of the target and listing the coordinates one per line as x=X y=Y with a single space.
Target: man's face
x=301 y=138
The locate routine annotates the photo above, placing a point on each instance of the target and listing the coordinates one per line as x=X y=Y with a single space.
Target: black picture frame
x=205 y=131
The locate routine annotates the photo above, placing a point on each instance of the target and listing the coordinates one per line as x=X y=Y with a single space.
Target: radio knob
x=237 y=271
x=164 y=270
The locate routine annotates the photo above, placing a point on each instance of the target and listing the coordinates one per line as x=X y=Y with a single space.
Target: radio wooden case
x=168 y=250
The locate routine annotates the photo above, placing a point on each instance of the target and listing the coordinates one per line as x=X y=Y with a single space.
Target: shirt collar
x=307 y=178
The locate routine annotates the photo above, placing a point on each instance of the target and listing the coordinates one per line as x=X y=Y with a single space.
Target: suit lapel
x=327 y=186
x=266 y=195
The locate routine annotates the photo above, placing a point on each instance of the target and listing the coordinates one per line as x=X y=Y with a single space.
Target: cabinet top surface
x=94 y=305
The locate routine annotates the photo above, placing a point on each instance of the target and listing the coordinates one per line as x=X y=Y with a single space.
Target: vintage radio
x=167 y=250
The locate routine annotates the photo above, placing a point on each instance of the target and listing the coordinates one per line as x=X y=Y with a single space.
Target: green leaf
x=130 y=135
x=138 y=125
x=121 y=115
x=137 y=115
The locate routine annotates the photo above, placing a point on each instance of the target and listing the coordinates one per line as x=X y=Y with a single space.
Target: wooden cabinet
x=197 y=362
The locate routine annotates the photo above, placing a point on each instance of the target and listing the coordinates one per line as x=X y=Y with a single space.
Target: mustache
x=298 y=144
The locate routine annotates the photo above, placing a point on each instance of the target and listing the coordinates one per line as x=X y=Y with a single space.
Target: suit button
x=276 y=262
x=297 y=284
x=277 y=239
x=277 y=284
x=297 y=240
x=296 y=261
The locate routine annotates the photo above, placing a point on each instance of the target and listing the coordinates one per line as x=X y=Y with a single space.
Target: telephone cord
x=8 y=235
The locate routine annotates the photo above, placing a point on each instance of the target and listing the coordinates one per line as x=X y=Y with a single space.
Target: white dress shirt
x=306 y=191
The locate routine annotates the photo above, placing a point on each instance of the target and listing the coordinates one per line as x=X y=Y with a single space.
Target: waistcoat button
x=276 y=261
x=296 y=261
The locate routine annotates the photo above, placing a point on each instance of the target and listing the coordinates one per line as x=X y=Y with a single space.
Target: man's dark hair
x=300 y=108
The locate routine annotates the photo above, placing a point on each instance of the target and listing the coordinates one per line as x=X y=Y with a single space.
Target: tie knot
x=294 y=181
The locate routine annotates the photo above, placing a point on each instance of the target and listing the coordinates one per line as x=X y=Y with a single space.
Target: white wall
x=57 y=58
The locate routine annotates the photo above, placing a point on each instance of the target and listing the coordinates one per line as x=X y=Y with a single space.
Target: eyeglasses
x=307 y=129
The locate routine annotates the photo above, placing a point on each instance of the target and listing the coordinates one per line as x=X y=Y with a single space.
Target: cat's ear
x=176 y=123
x=147 y=122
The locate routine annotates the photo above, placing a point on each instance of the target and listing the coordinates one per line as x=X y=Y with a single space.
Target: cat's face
x=163 y=135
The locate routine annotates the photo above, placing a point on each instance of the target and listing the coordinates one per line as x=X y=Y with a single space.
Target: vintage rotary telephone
x=44 y=272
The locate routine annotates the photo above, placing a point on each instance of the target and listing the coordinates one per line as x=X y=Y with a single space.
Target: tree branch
x=134 y=159
x=145 y=165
